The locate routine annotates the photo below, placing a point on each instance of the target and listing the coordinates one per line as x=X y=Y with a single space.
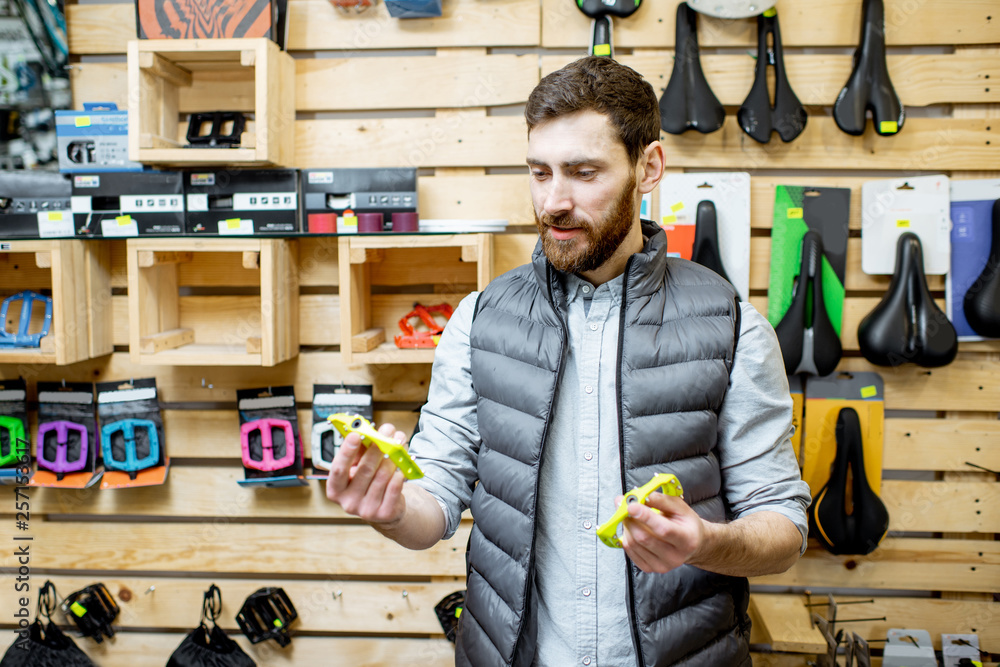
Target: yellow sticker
x=458 y=612
x=768 y=13
x=677 y=207
x=55 y=216
x=78 y=609
x=350 y=220
x=602 y=49
x=888 y=127
x=435 y=339
x=794 y=214
x=869 y=391
x=123 y=220
x=278 y=623
x=903 y=223
x=669 y=219
x=233 y=223
x=82 y=121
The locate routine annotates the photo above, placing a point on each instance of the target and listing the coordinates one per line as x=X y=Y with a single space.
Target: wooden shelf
x=449 y=264
x=159 y=69
x=78 y=274
x=157 y=333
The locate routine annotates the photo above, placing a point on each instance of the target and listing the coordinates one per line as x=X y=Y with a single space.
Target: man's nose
x=558 y=197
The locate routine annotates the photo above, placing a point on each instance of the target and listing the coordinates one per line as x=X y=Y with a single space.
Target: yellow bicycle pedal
x=663 y=482
x=347 y=423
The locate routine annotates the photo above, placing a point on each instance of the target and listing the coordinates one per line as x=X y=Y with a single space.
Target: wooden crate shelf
x=159 y=69
x=368 y=321
x=157 y=334
x=78 y=275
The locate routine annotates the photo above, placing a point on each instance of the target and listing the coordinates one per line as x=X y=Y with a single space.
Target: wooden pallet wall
x=444 y=95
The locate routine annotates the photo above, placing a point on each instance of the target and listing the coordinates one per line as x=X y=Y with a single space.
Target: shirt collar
x=573 y=286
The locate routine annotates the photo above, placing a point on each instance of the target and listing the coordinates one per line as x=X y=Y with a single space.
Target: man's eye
x=585 y=174
x=539 y=174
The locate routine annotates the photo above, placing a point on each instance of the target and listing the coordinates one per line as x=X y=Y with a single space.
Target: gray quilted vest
x=677 y=336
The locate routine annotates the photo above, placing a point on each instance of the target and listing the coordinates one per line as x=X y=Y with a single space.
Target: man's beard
x=596 y=243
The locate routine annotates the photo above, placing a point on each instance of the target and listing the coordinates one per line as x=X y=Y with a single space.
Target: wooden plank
x=809 y=23
x=787 y=619
x=905 y=564
x=181 y=384
x=226 y=546
x=463 y=140
x=501 y=197
x=136 y=648
x=100 y=320
x=279 y=293
x=362 y=607
x=941 y=444
x=924 y=144
x=367 y=340
x=228 y=319
x=920 y=80
x=913 y=506
x=315 y=25
x=166 y=340
x=70 y=300
x=374 y=83
x=962 y=385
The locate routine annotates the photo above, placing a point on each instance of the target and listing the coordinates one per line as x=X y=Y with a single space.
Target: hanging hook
x=211 y=605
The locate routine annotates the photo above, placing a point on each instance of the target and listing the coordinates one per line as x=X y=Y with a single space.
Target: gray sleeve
x=446 y=446
x=759 y=470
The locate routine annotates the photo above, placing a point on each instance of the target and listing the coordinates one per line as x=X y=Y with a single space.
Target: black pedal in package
x=330 y=399
x=133 y=448
x=270 y=445
x=15 y=439
x=35 y=204
x=121 y=204
x=68 y=441
x=347 y=192
x=242 y=202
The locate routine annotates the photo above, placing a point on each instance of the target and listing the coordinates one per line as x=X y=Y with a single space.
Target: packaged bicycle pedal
x=93 y=610
x=35 y=204
x=242 y=202
x=133 y=449
x=266 y=614
x=270 y=446
x=330 y=399
x=67 y=443
x=128 y=204
x=15 y=446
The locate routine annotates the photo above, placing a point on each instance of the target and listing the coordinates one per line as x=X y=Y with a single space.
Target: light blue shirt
x=580 y=582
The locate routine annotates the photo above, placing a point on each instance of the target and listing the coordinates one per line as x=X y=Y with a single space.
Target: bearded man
x=579 y=376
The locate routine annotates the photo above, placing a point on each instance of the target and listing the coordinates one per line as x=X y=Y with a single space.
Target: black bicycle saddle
x=601 y=12
x=860 y=529
x=688 y=102
x=869 y=86
x=757 y=116
x=982 y=301
x=906 y=325
x=809 y=343
x=706 y=239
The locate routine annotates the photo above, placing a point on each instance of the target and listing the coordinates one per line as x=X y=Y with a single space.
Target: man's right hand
x=366 y=483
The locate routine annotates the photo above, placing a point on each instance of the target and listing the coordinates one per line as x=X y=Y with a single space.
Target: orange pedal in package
x=194 y=19
x=411 y=338
x=824 y=399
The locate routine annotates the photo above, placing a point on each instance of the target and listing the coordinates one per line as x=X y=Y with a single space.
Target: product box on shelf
x=95 y=139
x=128 y=204
x=333 y=198
x=242 y=202
x=34 y=204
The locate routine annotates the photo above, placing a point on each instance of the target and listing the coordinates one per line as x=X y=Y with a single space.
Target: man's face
x=583 y=189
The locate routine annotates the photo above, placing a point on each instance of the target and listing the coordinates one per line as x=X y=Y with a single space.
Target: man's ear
x=651 y=166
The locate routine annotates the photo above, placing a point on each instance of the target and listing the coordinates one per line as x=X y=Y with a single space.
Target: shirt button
x=586 y=660
x=593 y=327
x=586 y=592
x=587 y=525
x=586 y=289
x=589 y=389
x=588 y=455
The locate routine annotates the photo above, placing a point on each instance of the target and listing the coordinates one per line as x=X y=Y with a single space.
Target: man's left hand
x=665 y=541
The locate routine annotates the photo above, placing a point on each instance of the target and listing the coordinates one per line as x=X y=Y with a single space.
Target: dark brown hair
x=607 y=87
